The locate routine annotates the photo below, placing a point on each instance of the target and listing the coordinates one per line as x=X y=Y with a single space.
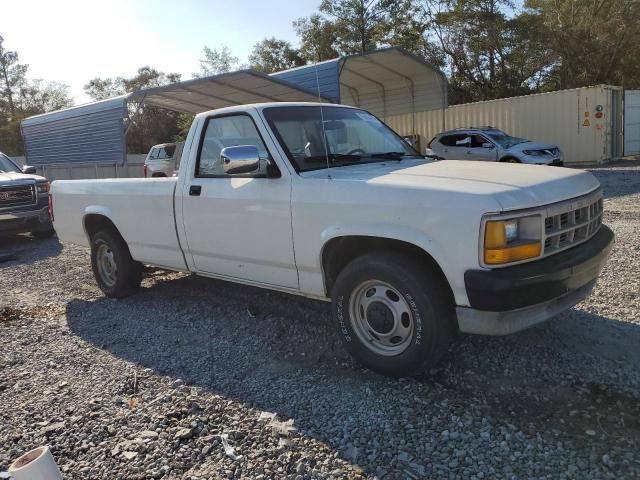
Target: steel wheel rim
x=107 y=267
x=381 y=318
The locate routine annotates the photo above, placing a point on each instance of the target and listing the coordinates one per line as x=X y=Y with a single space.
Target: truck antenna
x=324 y=133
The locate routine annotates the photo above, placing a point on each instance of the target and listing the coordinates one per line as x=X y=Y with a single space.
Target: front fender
x=402 y=233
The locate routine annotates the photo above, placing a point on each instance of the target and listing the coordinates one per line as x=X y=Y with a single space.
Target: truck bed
x=142 y=209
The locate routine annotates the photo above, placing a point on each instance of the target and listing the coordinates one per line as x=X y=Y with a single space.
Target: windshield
x=349 y=136
x=7 y=166
x=504 y=140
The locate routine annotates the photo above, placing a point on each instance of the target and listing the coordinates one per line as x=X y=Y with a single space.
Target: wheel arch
x=97 y=219
x=339 y=250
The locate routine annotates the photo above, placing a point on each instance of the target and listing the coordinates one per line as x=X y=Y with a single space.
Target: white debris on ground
x=180 y=381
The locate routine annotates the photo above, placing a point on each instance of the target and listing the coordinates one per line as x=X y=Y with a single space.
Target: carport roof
x=392 y=81
x=224 y=90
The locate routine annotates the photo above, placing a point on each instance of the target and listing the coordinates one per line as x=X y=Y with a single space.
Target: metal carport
x=225 y=90
x=386 y=82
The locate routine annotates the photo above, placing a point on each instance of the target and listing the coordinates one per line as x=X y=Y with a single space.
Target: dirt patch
x=8 y=314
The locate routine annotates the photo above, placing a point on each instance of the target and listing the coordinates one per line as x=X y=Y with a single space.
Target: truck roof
x=263 y=105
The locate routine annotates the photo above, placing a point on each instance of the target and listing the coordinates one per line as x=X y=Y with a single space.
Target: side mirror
x=240 y=159
x=487 y=145
x=29 y=170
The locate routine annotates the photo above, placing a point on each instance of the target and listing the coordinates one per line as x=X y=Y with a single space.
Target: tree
x=346 y=27
x=154 y=125
x=359 y=23
x=20 y=98
x=103 y=88
x=593 y=42
x=273 y=55
x=488 y=54
x=12 y=78
x=318 y=38
x=216 y=61
x=39 y=96
x=405 y=25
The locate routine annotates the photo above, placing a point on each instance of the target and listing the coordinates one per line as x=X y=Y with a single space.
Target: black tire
x=125 y=279
x=43 y=234
x=510 y=160
x=429 y=302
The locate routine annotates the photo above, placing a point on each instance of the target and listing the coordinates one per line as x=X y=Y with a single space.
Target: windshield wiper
x=334 y=156
x=393 y=155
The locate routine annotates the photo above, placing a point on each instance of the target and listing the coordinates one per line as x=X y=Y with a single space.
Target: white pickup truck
x=328 y=202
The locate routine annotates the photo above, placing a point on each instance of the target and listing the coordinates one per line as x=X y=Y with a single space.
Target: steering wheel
x=356 y=150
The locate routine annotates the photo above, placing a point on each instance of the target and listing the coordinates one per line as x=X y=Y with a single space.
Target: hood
x=533 y=146
x=513 y=186
x=6 y=177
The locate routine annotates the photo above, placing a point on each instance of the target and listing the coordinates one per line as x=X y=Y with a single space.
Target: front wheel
x=510 y=160
x=118 y=275
x=395 y=315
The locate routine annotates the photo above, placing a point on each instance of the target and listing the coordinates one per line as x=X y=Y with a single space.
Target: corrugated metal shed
x=386 y=82
x=392 y=82
x=322 y=78
x=90 y=133
x=224 y=90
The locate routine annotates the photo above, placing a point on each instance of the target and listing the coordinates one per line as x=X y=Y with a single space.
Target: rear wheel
x=118 y=275
x=394 y=314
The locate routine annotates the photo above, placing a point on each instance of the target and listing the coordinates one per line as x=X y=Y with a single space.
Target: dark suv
x=24 y=200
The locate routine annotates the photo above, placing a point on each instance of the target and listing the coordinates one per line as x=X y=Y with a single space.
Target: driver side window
x=477 y=141
x=221 y=132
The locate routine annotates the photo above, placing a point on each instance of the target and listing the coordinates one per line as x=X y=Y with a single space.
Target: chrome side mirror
x=29 y=170
x=240 y=159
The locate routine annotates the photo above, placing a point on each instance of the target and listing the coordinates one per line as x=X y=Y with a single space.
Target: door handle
x=195 y=190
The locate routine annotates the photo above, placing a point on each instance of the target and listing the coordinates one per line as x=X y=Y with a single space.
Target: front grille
x=17 y=196
x=572 y=222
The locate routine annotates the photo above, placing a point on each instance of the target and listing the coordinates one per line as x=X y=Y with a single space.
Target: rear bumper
x=507 y=300
x=25 y=221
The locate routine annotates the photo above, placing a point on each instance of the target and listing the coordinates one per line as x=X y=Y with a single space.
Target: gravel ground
x=195 y=378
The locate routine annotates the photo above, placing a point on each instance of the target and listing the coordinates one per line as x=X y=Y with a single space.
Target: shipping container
x=585 y=122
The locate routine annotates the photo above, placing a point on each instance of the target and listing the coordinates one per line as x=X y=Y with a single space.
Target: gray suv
x=491 y=145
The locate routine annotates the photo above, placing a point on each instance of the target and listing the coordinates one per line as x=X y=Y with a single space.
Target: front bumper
x=506 y=300
x=25 y=221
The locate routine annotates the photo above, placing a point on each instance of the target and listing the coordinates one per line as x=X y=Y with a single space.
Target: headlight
x=535 y=153
x=43 y=187
x=512 y=240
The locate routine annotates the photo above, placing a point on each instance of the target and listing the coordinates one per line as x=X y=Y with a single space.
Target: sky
x=73 y=41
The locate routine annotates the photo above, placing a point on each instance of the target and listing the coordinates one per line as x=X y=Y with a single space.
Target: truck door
x=238 y=226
